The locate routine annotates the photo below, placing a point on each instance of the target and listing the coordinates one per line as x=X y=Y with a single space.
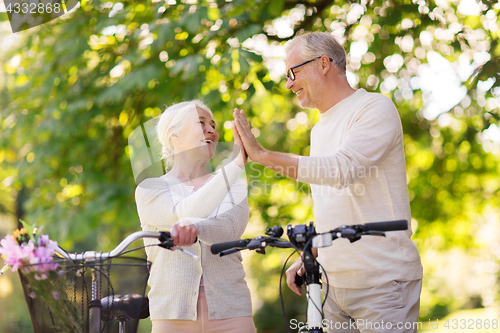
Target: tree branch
x=308 y=21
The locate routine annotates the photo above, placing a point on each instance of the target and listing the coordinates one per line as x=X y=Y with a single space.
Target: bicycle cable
x=327 y=285
x=135 y=249
x=281 y=292
x=74 y=261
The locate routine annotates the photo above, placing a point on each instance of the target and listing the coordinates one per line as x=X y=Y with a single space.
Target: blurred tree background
x=72 y=91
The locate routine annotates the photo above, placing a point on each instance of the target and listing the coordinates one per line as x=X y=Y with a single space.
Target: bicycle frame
x=314 y=313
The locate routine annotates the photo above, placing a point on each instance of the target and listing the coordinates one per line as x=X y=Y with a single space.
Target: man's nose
x=289 y=83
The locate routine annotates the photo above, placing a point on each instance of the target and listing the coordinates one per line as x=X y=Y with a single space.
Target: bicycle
x=304 y=238
x=98 y=291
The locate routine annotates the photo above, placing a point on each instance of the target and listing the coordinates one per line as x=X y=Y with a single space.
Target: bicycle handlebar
x=259 y=244
x=162 y=236
x=219 y=247
x=352 y=232
x=386 y=226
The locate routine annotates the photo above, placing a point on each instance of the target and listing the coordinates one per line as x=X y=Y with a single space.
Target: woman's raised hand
x=240 y=157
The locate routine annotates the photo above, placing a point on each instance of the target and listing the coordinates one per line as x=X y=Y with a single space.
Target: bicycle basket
x=87 y=297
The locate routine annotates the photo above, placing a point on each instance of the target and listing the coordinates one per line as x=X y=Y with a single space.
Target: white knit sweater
x=220 y=216
x=357 y=174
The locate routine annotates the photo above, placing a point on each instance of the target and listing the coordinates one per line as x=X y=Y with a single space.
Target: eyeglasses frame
x=290 y=70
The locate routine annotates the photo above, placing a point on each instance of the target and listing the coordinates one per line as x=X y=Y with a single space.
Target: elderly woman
x=199 y=209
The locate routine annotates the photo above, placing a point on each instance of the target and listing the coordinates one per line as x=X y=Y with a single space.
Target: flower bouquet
x=32 y=254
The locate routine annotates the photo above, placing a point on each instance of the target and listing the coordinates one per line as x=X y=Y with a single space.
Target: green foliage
x=72 y=91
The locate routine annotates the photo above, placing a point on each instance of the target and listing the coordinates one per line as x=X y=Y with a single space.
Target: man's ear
x=326 y=65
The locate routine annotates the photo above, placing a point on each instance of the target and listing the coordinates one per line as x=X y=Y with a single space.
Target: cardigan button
x=212 y=314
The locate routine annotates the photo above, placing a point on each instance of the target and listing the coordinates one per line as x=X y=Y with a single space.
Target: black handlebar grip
x=164 y=236
x=387 y=226
x=299 y=279
x=219 y=247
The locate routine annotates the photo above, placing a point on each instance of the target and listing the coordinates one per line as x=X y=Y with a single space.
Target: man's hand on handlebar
x=184 y=233
x=296 y=268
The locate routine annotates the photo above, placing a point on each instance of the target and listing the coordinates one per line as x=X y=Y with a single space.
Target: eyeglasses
x=290 y=73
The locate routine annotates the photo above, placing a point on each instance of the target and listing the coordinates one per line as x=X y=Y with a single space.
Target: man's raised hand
x=251 y=146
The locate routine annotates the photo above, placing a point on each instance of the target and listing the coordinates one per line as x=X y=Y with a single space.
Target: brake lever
x=186 y=251
x=258 y=244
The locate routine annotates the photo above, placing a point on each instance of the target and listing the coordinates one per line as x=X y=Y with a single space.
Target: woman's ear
x=172 y=136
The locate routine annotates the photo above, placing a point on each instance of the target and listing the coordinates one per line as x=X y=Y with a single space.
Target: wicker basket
x=78 y=297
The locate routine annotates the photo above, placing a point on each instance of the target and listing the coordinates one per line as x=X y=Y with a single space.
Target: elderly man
x=357 y=174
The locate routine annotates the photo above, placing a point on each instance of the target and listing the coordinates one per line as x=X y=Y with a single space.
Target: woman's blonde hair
x=317 y=44
x=171 y=122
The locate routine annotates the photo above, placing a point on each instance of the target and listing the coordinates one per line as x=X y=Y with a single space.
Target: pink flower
x=44 y=240
x=8 y=246
x=38 y=255
x=16 y=255
x=42 y=259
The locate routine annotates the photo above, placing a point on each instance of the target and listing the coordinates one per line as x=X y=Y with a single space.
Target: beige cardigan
x=220 y=216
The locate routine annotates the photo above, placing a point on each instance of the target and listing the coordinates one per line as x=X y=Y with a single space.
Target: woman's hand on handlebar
x=296 y=268
x=184 y=233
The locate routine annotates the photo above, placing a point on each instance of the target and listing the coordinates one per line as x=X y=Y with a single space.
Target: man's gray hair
x=316 y=44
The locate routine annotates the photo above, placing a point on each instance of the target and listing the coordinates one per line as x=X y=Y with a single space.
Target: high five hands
x=241 y=129
x=239 y=154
